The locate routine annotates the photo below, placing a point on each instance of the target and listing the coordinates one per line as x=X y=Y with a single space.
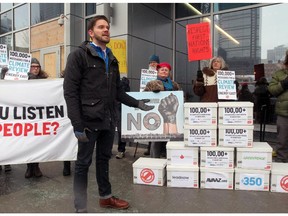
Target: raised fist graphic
x=168 y=108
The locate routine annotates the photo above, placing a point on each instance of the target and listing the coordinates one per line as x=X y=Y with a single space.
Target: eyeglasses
x=33 y=66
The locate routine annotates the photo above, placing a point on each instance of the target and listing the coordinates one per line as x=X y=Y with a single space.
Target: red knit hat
x=164 y=64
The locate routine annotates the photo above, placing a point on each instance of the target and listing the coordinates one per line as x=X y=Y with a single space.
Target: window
x=90 y=8
x=21 y=17
x=226 y=6
x=21 y=41
x=189 y=9
x=6 y=22
x=41 y=12
x=5 y=6
x=7 y=40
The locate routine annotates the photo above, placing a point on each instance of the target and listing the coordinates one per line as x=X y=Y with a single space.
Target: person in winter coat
x=261 y=97
x=91 y=90
x=35 y=73
x=163 y=83
x=245 y=94
x=206 y=83
x=279 y=88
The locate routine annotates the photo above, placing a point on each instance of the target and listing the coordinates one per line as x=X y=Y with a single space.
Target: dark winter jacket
x=90 y=92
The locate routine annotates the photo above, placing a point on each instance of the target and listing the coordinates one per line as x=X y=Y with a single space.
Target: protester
x=279 y=88
x=91 y=88
x=206 y=83
x=163 y=83
x=153 y=62
x=35 y=73
x=245 y=94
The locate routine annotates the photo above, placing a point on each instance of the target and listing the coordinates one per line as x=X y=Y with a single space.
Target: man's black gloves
x=284 y=83
x=143 y=106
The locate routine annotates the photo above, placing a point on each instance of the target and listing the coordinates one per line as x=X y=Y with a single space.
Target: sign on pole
x=198 y=41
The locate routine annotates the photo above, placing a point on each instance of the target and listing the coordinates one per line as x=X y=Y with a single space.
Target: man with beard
x=91 y=89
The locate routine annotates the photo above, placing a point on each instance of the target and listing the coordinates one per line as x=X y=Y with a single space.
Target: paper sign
x=3 y=55
x=198 y=41
x=147 y=75
x=225 y=85
x=118 y=48
x=19 y=66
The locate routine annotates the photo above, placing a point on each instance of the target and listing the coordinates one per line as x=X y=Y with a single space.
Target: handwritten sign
x=225 y=85
x=198 y=41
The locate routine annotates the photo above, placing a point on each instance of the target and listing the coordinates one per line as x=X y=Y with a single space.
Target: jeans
x=104 y=143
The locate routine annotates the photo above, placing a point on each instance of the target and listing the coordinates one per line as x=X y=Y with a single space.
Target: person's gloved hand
x=81 y=136
x=168 y=108
x=143 y=106
x=284 y=83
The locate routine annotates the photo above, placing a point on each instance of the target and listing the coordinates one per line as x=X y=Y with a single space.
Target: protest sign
x=146 y=76
x=198 y=41
x=163 y=123
x=225 y=85
x=19 y=66
x=3 y=56
x=34 y=126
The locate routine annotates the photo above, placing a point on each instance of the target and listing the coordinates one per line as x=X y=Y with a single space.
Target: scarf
x=167 y=83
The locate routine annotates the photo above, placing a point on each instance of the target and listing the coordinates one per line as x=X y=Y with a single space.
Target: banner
x=34 y=126
x=150 y=126
x=146 y=76
x=19 y=66
x=225 y=85
x=198 y=41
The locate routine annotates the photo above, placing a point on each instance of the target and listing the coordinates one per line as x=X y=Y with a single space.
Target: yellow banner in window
x=118 y=48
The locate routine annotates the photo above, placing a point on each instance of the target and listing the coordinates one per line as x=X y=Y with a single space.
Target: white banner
x=150 y=126
x=34 y=126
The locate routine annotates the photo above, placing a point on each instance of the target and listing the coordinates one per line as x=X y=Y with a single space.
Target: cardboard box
x=279 y=177
x=149 y=171
x=200 y=135
x=182 y=176
x=217 y=157
x=179 y=154
x=257 y=157
x=216 y=178
x=200 y=113
x=235 y=135
x=254 y=180
x=235 y=113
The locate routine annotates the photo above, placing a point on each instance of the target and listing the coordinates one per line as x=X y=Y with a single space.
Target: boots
x=67 y=168
x=33 y=170
x=29 y=171
x=37 y=171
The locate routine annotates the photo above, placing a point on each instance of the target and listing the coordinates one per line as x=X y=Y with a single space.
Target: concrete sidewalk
x=53 y=193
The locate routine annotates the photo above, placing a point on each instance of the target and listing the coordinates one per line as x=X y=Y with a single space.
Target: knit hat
x=154 y=58
x=35 y=61
x=164 y=64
